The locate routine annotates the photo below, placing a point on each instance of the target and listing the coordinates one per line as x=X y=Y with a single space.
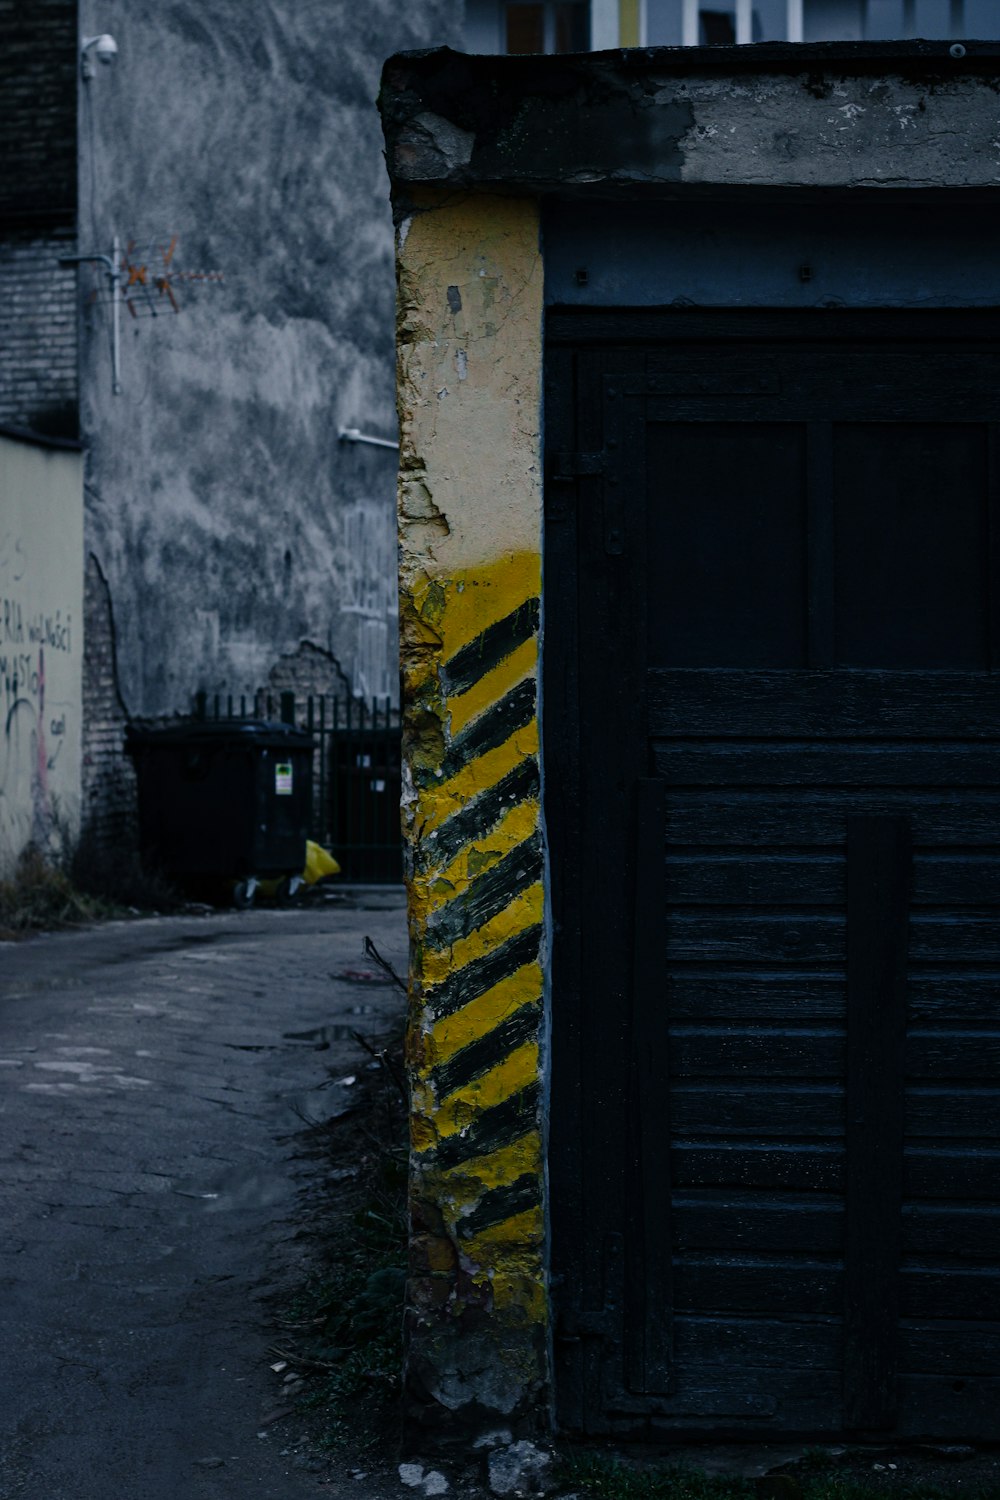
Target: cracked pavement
x=153 y=1075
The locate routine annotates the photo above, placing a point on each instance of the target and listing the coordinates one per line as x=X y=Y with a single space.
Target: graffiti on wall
x=36 y=643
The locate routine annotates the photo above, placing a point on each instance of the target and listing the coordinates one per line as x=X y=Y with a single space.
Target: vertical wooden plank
x=993 y=548
x=606 y=696
x=649 y=1292
x=879 y=863
x=561 y=799
x=819 y=482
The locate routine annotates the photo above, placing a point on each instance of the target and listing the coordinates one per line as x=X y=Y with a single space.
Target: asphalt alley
x=153 y=1076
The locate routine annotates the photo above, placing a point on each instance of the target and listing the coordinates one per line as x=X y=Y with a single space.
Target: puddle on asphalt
x=322 y=1036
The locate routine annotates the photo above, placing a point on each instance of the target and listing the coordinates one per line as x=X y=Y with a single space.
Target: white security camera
x=103 y=47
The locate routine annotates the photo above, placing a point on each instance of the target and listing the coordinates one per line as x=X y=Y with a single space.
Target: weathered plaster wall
x=470 y=303
x=228 y=521
x=41 y=645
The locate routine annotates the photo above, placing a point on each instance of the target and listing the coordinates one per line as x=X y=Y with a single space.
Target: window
x=522 y=26
x=709 y=22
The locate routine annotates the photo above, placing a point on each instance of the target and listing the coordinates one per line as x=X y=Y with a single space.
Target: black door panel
x=772 y=742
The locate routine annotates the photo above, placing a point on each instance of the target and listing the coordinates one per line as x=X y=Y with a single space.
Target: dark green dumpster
x=224 y=802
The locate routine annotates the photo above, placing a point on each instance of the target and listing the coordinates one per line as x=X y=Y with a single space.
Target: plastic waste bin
x=224 y=800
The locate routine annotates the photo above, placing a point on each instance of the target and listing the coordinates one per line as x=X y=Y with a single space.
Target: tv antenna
x=144 y=277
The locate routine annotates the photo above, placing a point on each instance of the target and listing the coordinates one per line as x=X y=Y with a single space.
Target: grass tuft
x=40 y=896
x=348 y=1316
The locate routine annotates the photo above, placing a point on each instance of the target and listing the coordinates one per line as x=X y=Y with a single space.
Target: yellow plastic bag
x=319 y=863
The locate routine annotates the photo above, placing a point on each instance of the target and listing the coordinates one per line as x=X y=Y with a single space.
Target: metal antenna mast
x=113 y=262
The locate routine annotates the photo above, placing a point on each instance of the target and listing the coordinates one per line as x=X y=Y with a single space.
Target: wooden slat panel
x=937 y=1292
x=721 y=704
x=757 y=1285
x=801 y=1052
x=953 y=1113
x=749 y=878
x=757 y=1343
x=967 y=1231
x=933 y=1173
x=730 y=938
x=698 y=994
x=807 y=938
x=716 y=1109
x=787 y=1287
x=711 y=1400
x=756 y=1053
x=823 y=763
x=754 y=995
x=933 y=1349
x=928 y=1172
x=953 y=1054
x=770 y=818
x=809 y=1224
x=812 y=1168
x=964 y=1410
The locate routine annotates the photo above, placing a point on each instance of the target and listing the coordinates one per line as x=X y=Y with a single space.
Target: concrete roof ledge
x=871 y=115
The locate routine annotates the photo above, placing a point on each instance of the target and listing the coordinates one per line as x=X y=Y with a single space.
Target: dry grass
x=40 y=896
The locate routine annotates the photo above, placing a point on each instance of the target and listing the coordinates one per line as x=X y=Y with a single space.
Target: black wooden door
x=773 y=791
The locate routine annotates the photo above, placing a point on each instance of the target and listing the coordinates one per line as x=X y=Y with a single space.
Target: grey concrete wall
x=228 y=521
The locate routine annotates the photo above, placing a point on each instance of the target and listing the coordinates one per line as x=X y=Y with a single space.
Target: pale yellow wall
x=470 y=508
x=41 y=645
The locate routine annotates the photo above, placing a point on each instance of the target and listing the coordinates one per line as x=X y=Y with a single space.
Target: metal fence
x=356 y=772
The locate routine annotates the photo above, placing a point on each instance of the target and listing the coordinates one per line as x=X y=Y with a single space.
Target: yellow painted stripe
x=437 y=801
x=459 y=1110
x=438 y=889
x=523 y=1293
x=527 y=908
x=527 y=1228
x=464 y=707
x=423 y=1135
x=498 y=1168
x=482 y=1014
x=461 y=609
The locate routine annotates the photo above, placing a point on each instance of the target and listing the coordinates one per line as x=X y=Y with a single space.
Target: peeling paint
x=470 y=584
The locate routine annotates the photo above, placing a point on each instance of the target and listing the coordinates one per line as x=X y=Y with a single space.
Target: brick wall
x=109 y=805
x=38 y=341
x=38 y=141
x=38 y=81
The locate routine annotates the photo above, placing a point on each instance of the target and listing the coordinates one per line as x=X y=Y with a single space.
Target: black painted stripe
x=502 y=1203
x=475 y=978
x=490 y=729
x=487 y=895
x=481 y=815
x=489 y=1131
x=486 y=1051
x=488 y=650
